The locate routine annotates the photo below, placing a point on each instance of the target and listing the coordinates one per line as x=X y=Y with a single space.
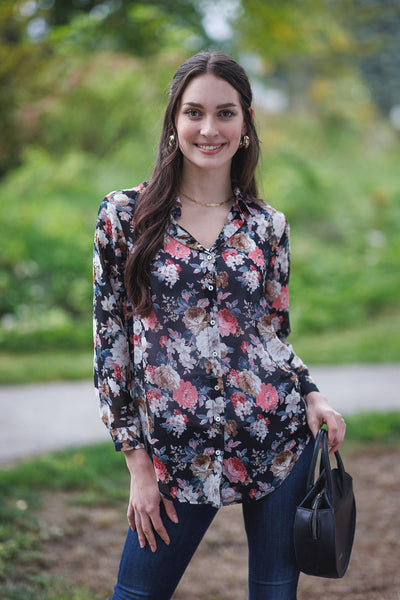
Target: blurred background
x=83 y=86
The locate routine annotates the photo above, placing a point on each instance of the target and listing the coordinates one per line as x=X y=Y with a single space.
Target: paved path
x=43 y=417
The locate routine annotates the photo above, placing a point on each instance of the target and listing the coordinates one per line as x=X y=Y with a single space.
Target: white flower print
x=187 y=494
x=113 y=327
x=233 y=259
x=279 y=224
x=292 y=402
x=203 y=342
x=184 y=351
x=170 y=273
x=243 y=409
x=211 y=489
x=105 y=413
x=260 y=429
x=282 y=261
x=120 y=352
x=252 y=279
x=215 y=407
x=230 y=229
x=158 y=404
x=114 y=386
x=278 y=350
x=137 y=355
x=102 y=238
x=108 y=303
x=178 y=423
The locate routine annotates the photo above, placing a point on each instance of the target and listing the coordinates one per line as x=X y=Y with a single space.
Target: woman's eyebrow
x=198 y=105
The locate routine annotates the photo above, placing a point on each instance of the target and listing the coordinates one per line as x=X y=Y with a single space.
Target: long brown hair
x=155 y=203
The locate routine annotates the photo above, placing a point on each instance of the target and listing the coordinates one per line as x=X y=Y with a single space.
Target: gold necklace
x=207 y=203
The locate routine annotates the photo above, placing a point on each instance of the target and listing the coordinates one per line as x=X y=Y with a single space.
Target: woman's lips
x=210 y=148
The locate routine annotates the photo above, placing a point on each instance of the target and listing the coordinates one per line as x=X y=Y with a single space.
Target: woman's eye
x=226 y=114
x=192 y=112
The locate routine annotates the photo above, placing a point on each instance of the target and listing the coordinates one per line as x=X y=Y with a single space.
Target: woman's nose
x=209 y=127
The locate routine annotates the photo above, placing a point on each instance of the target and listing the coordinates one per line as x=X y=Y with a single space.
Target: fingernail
x=175 y=518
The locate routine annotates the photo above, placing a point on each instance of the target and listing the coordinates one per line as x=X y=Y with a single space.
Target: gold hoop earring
x=244 y=142
x=171 y=141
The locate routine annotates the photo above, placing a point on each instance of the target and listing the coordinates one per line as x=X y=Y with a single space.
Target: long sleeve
x=277 y=295
x=113 y=368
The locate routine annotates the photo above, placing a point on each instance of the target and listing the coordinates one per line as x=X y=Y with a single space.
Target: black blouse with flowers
x=206 y=383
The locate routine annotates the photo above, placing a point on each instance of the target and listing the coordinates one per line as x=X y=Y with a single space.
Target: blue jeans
x=144 y=575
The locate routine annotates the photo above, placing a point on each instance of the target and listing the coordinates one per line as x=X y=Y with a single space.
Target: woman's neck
x=211 y=186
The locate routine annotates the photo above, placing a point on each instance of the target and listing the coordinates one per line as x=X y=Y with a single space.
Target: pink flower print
x=267 y=399
x=176 y=249
x=237 y=398
x=108 y=225
x=227 y=322
x=227 y=254
x=160 y=468
x=282 y=301
x=118 y=372
x=186 y=395
x=150 y=321
x=153 y=395
x=235 y=470
x=257 y=256
x=244 y=346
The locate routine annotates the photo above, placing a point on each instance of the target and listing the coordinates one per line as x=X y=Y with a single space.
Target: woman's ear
x=251 y=112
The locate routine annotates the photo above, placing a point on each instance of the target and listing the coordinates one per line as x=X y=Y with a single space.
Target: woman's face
x=209 y=123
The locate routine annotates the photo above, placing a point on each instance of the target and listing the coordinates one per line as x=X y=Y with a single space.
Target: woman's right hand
x=144 y=500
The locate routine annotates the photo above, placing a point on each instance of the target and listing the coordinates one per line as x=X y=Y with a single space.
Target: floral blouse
x=206 y=383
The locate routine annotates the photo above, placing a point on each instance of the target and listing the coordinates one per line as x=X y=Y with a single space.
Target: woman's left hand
x=319 y=412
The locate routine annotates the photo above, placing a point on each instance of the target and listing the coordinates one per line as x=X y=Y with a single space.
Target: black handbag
x=325 y=520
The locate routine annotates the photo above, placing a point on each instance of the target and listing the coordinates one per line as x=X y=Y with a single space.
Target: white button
x=215 y=353
x=216 y=387
x=209 y=256
x=212 y=322
x=218 y=418
x=210 y=287
x=218 y=452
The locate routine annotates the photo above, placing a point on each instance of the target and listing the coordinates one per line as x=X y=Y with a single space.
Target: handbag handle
x=321 y=442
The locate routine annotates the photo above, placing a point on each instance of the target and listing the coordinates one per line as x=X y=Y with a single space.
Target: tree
x=33 y=33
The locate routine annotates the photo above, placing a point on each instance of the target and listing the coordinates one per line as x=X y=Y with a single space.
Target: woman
x=197 y=385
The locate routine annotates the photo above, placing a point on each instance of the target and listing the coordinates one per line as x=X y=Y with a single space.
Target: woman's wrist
x=314 y=398
x=136 y=458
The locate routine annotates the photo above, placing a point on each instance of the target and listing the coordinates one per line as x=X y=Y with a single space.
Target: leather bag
x=325 y=520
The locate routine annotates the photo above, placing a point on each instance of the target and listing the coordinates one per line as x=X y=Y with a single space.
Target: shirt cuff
x=126 y=438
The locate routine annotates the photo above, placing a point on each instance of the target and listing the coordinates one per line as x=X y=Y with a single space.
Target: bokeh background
x=83 y=86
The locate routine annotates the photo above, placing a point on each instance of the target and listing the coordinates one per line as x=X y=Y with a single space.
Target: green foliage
x=90 y=125
x=374 y=427
x=52 y=364
x=286 y=34
x=343 y=206
x=336 y=181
